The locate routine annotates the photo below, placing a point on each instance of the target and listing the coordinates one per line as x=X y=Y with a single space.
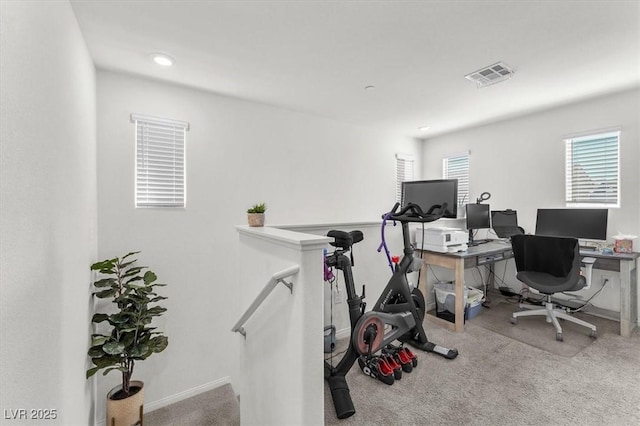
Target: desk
x=626 y=264
x=495 y=251
x=483 y=254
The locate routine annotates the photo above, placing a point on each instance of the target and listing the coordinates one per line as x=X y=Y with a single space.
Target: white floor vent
x=490 y=75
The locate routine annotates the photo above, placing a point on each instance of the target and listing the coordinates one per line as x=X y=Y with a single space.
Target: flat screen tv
x=586 y=224
x=427 y=193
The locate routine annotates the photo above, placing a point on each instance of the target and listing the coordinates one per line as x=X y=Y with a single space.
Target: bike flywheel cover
x=368 y=319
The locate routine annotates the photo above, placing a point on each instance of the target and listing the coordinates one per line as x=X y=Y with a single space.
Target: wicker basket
x=128 y=411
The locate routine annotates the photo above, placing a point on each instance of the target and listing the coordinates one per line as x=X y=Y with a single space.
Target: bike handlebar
x=413 y=213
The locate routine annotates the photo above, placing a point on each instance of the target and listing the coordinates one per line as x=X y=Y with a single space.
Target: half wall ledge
x=292 y=239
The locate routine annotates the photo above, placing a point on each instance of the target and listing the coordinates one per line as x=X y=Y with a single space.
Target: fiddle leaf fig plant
x=129 y=336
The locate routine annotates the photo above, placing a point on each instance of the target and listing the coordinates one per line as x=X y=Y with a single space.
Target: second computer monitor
x=587 y=224
x=478 y=216
x=505 y=223
x=501 y=218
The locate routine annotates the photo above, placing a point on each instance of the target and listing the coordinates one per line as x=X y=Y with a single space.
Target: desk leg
x=628 y=298
x=459 y=308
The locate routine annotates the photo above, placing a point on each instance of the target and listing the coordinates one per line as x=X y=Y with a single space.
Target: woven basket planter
x=127 y=411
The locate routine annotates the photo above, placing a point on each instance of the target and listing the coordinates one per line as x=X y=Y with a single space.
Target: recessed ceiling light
x=423 y=128
x=162 y=59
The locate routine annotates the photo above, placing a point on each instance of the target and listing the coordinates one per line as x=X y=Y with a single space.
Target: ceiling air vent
x=490 y=75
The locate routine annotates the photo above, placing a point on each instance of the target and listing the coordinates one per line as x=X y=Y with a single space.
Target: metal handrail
x=276 y=278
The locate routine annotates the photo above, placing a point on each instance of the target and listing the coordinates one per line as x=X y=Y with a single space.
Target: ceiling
x=318 y=56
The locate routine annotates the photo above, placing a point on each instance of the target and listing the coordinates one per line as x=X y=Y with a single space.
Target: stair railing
x=275 y=279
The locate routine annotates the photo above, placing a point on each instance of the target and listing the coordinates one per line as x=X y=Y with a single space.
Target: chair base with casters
x=551 y=265
x=552 y=312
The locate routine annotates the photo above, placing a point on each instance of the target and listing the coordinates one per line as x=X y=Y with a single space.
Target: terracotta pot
x=255 y=219
x=127 y=411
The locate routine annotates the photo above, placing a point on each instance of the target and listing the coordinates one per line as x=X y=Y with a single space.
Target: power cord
x=485 y=296
x=421 y=251
x=587 y=302
x=433 y=273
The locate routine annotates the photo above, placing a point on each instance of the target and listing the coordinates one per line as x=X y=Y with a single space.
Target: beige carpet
x=535 y=331
x=496 y=380
x=215 y=407
x=499 y=380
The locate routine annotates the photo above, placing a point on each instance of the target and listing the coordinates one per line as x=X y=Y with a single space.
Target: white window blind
x=592 y=170
x=160 y=161
x=404 y=172
x=456 y=166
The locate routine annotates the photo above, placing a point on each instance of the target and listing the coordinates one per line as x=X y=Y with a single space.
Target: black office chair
x=549 y=265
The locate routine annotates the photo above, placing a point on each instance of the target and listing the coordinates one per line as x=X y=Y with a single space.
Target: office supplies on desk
x=623 y=243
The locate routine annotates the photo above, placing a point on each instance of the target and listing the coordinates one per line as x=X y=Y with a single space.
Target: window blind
x=404 y=172
x=592 y=170
x=457 y=167
x=160 y=161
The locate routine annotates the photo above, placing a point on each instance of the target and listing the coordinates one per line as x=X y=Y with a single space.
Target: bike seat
x=343 y=239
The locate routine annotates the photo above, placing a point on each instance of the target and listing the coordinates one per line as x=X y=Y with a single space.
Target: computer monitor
x=505 y=223
x=478 y=217
x=427 y=193
x=586 y=224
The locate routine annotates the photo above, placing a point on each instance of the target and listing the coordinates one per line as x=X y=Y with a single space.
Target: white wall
x=48 y=221
x=307 y=170
x=282 y=358
x=521 y=163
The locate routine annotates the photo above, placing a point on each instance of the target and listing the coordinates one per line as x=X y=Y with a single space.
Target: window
x=592 y=170
x=456 y=166
x=404 y=172
x=160 y=161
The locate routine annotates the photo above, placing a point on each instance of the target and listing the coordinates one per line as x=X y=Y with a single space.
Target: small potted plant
x=255 y=214
x=126 y=334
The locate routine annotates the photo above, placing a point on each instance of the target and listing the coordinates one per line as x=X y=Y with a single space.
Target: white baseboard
x=186 y=394
x=172 y=399
x=345 y=332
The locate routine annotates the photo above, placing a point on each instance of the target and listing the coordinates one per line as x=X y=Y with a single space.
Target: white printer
x=441 y=239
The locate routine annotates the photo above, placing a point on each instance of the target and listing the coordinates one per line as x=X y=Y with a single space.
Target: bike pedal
x=364 y=366
x=412 y=356
x=400 y=356
x=397 y=368
x=405 y=361
x=377 y=368
x=385 y=372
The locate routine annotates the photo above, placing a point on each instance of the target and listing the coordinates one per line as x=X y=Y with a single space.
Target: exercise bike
x=397 y=314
